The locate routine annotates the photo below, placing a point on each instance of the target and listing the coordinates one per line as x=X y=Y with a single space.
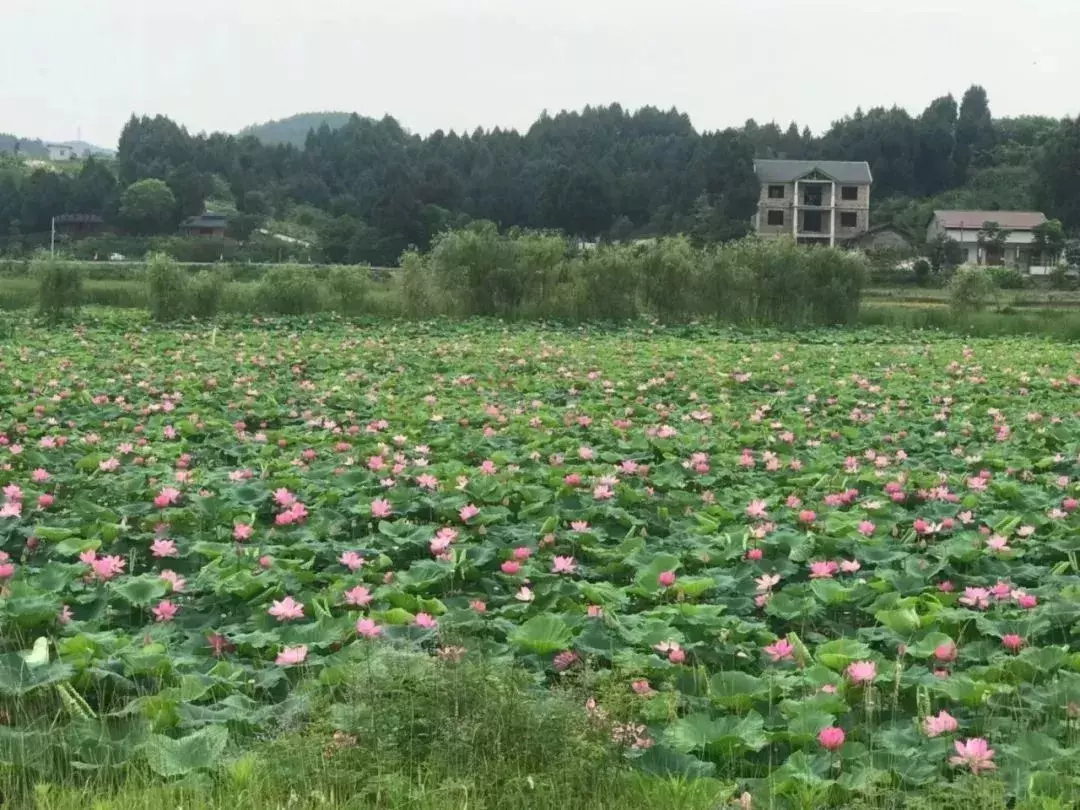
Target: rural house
x=205 y=225
x=1018 y=230
x=818 y=202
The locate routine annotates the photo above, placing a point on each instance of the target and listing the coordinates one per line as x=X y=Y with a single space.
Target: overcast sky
x=85 y=65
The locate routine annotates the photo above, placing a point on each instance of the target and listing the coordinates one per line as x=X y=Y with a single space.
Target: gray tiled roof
x=854 y=172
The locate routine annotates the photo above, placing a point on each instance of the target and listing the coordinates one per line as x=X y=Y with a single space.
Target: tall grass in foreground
x=401 y=730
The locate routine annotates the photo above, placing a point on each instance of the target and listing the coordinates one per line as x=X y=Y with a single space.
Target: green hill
x=295 y=128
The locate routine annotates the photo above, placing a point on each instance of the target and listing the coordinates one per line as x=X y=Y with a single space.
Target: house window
x=776 y=218
x=776 y=192
x=849 y=192
x=849 y=219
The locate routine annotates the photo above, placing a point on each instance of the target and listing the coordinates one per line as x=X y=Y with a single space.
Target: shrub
x=204 y=294
x=289 y=290
x=59 y=288
x=922 y=272
x=1059 y=277
x=166 y=288
x=1006 y=278
x=971 y=288
x=349 y=289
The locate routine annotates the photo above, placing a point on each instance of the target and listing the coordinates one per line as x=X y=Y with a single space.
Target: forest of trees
x=369 y=189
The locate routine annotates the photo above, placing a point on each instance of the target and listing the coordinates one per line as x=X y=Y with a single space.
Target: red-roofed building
x=963 y=227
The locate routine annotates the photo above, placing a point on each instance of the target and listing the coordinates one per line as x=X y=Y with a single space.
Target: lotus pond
x=810 y=564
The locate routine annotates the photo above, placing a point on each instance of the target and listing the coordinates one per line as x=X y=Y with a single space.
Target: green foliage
x=289 y=290
x=1049 y=239
x=349 y=289
x=922 y=271
x=205 y=293
x=148 y=207
x=943 y=253
x=971 y=288
x=167 y=288
x=59 y=288
x=1006 y=278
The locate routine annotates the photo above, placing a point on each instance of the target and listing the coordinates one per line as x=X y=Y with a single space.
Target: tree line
x=370 y=189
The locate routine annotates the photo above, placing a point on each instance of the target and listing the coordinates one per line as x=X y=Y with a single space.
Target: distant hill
x=294 y=129
x=34 y=148
x=27 y=146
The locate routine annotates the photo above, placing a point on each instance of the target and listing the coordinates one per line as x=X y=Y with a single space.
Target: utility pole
x=52 y=239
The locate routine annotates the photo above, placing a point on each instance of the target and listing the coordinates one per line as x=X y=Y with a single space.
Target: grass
x=406 y=730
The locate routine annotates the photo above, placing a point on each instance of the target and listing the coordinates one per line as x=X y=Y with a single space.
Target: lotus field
x=811 y=565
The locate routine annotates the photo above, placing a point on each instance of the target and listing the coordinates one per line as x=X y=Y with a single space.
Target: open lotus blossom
x=767 y=582
x=176 y=582
x=468 y=512
x=163 y=548
x=381 y=508
x=579 y=526
x=242 y=531
x=351 y=560
x=849 y=566
x=524 y=594
x=823 y=569
x=367 y=628
x=862 y=672
x=358 y=596
x=165 y=611
x=287 y=609
x=757 y=509
x=167 y=497
x=291 y=656
x=425 y=621
x=666 y=579
x=642 y=688
x=941 y=723
x=780 y=650
x=563 y=565
x=975 y=754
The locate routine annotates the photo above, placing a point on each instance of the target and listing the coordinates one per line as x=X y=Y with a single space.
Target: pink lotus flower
x=176 y=582
x=757 y=509
x=352 y=560
x=367 y=628
x=975 y=754
x=579 y=526
x=563 y=565
x=1012 y=642
x=942 y=723
x=358 y=596
x=478 y=606
x=163 y=548
x=564 y=660
x=107 y=567
x=866 y=528
x=427 y=481
x=381 y=508
x=976 y=597
x=467 y=512
x=425 y=621
x=861 y=672
x=642 y=688
x=13 y=492
x=807 y=516
x=522 y=553
x=39 y=476
x=282 y=497
x=45 y=500
x=286 y=609
x=165 y=611
x=1025 y=600
x=510 y=567
x=677 y=656
x=167 y=497
x=754 y=554
x=666 y=579
x=291 y=656
x=7 y=570
x=823 y=570
x=849 y=566
x=241 y=532
x=831 y=738
x=10 y=509
x=945 y=652
x=594 y=612
x=780 y=650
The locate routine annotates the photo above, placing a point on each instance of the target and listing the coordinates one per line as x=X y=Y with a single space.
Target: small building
x=1018 y=229
x=61 y=152
x=212 y=225
x=79 y=225
x=817 y=202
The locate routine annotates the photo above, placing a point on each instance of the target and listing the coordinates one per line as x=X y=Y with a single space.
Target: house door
x=995 y=255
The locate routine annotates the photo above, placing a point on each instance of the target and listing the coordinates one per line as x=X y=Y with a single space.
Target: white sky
x=85 y=65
